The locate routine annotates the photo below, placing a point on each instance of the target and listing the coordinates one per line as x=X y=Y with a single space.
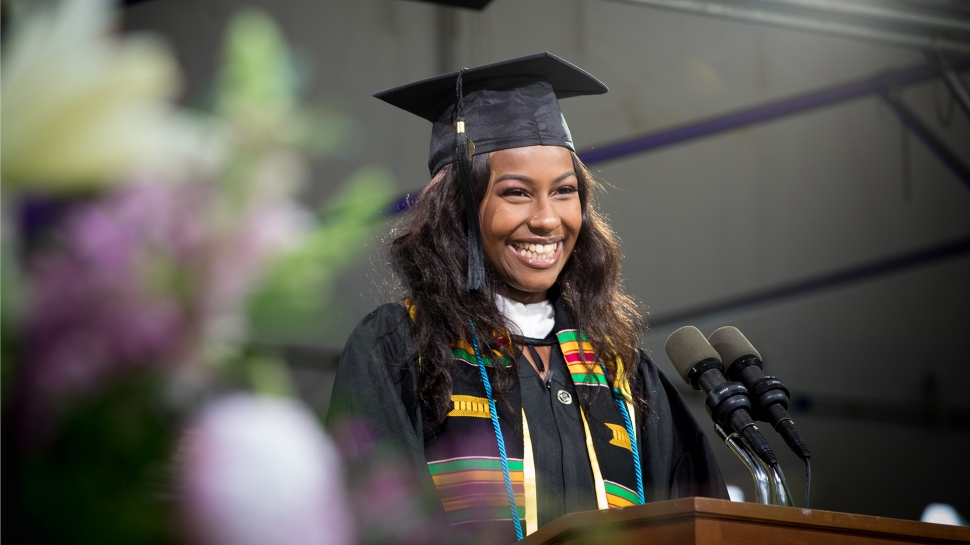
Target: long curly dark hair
x=428 y=254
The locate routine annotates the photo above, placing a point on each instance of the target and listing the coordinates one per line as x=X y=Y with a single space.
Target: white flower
x=258 y=471
x=81 y=107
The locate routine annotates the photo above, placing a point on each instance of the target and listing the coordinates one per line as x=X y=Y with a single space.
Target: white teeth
x=536 y=251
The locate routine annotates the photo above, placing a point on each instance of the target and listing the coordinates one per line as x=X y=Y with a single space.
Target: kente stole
x=464 y=460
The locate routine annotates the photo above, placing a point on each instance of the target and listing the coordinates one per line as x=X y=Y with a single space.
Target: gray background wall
x=880 y=366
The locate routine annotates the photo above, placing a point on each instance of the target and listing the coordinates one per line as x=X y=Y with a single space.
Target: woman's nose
x=544 y=218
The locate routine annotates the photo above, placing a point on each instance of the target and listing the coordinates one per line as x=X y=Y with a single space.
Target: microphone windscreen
x=732 y=345
x=686 y=347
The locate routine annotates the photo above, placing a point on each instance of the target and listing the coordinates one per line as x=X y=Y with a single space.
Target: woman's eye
x=514 y=192
x=566 y=190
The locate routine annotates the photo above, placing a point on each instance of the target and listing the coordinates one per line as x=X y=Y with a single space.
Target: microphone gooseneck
x=768 y=395
x=727 y=402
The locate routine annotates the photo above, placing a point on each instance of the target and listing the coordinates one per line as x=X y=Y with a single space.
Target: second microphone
x=727 y=402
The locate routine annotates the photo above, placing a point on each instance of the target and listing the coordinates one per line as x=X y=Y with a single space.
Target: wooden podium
x=705 y=521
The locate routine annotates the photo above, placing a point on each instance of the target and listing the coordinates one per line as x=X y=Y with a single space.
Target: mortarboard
x=508 y=104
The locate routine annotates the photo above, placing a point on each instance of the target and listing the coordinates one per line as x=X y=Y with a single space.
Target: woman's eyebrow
x=513 y=176
x=565 y=175
x=525 y=179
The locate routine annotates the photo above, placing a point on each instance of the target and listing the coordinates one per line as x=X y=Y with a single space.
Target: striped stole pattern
x=472 y=488
x=463 y=351
x=576 y=347
x=618 y=495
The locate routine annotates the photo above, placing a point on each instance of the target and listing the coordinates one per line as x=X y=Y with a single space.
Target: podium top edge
x=697 y=510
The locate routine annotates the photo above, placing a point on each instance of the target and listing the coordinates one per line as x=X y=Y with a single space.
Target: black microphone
x=727 y=402
x=769 y=395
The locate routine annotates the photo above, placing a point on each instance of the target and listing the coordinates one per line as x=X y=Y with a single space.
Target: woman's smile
x=540 y=255
x=530 y=216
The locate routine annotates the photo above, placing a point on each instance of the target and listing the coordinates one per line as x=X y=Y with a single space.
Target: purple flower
x=105 y=296
x=150 y=277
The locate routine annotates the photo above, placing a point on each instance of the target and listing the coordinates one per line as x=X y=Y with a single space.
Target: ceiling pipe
x=799 y=22
x=878 y=14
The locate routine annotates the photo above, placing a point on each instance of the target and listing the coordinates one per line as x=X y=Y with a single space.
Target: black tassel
x=476 y=255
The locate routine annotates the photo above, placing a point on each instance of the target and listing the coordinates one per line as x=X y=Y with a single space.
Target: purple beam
x=800 y=288
x=930 y=140
x=880 y=83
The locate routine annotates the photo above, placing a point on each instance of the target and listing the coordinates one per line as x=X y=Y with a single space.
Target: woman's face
x=530 y=217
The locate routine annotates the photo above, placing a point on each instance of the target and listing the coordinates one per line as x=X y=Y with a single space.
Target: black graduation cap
x=508 y=104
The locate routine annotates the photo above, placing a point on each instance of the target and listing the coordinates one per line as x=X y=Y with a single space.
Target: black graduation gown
x=374 y=382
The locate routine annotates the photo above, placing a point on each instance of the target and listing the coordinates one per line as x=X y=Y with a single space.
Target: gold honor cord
x=633 y=418
x=624 y=387
x=598 y=484
x=529 y=480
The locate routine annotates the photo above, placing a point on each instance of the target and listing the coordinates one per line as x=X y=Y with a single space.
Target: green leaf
x=292 y=303
x=258 y=75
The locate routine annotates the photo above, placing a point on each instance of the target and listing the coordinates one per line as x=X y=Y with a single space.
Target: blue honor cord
x=498 y=435
x=631 y=433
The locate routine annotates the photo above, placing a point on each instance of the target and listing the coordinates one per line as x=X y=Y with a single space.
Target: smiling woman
x=531 y=216
x=509 y=374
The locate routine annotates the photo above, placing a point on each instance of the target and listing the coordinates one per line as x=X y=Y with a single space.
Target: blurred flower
x=126 y=297
x=107 y=297
x=144 y=277
x=81 y=107
x=258 y=471
x=156 y=275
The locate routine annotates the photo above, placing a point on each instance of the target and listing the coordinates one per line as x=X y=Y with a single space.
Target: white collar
x=535 y=320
